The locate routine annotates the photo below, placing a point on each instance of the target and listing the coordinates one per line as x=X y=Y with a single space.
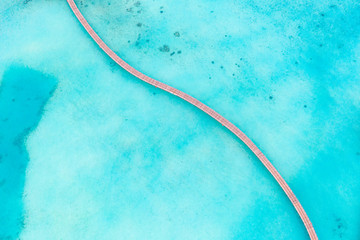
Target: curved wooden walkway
x=206 y=109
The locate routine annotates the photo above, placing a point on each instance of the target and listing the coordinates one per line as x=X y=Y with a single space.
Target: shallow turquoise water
x=23 y=94
x=109 y=157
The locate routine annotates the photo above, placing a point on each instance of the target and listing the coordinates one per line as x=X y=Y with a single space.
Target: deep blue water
x=109 y=157
x=23 y=94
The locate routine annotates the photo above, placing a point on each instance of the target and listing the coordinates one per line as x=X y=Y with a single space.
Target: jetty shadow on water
x=23 y=95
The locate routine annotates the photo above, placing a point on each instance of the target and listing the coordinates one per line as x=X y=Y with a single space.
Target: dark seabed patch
x=23 y=95
x=340 y=228
x=164 y=48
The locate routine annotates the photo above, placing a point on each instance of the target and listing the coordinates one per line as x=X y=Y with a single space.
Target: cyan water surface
x=89 y=152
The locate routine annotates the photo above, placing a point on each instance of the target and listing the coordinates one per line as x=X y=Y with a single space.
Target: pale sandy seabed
x=89 y=152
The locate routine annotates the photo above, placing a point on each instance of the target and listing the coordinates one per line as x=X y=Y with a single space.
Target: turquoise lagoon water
x=23 y=95
x=90 y=152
